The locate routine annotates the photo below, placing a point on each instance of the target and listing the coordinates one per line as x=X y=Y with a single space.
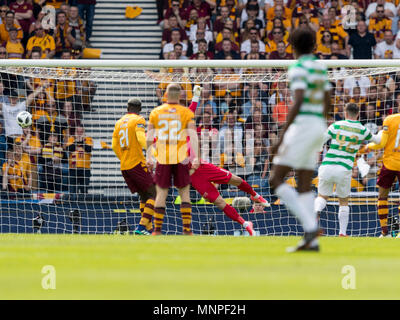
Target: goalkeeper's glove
x=196 y=93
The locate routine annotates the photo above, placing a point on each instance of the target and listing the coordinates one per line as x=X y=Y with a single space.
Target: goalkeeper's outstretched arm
x=196 y=98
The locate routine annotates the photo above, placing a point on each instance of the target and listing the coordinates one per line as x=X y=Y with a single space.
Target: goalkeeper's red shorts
x=138 y=178
x=387 y=177
x=166 y=172
x=205 y=175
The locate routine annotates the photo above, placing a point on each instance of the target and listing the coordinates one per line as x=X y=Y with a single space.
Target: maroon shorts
x=165 y=172
x=203 y=178
x=386 y=177
x=138 y=178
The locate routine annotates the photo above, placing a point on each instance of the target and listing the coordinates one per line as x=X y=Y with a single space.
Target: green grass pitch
x=183 y=268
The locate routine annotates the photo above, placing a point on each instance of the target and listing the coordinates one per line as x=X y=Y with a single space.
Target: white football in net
x=24 y=119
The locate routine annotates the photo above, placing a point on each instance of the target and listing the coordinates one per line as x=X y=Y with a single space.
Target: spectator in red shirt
x=175 y=38
x=280 y=52
x=173 y=24
x=24 y=14
x=202 y=7
x=304 y=7
x=226 y=34
x=177 y=10
x=202 y=47
x=220 y=20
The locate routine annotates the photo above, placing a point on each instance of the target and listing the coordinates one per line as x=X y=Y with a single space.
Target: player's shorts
x=166 y=172
x=203 y=177
x=138 y=178
x=387 y=177
x=302 y=143
x=331 y=175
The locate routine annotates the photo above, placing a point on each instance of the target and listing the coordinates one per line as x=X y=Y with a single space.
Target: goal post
x=73 y=184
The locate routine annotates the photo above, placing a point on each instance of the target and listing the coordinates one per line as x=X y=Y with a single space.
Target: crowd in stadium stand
x=57 y=147
x=54 y=154
x=260 y=29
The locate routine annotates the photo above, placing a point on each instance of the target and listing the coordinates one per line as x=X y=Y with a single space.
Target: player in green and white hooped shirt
x=302 y=136
x=346 y=137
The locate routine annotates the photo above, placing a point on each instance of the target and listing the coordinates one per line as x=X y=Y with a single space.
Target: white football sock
x=292 y=201
x=319 y=204
x=343 y=219
x=308 y=199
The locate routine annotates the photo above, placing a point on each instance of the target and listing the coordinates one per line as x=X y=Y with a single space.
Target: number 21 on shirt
x=124 y=138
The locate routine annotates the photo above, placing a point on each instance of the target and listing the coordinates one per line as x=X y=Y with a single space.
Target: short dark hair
x=303 y=40
x=352 y=109
x=134 y=104
x=178 y=45
x=66 y=51
x=251 y=6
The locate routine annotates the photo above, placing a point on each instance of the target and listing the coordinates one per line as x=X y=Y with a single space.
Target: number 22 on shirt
x=169 y=130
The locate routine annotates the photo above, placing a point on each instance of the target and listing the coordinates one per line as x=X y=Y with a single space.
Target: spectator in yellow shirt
x=43 y=40
x=8 y=23
x=277 y=23
x=79 y=148
x=278 y=10
x=277 y=36
x=31 y=148
x=337 y=32
x=324 y=48
x=270 y=11
x=15 y=49
x=12 y=174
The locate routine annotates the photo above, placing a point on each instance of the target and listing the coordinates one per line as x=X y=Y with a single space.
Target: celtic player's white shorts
x=302 y=143
x=331 y=175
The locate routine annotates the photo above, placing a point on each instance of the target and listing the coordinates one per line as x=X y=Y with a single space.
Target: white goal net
x=60 y=175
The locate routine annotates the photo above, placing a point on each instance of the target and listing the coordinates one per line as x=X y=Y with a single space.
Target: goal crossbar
x=149 y=64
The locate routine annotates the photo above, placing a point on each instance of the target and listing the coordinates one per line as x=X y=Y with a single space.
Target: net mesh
x=65 y=177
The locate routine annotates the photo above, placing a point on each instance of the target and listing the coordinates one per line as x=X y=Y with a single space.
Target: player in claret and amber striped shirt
x=169 y=125
x=128 y=142
x=390 y=142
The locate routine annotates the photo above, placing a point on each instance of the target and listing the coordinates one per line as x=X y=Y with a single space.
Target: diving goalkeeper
x=204 y=177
